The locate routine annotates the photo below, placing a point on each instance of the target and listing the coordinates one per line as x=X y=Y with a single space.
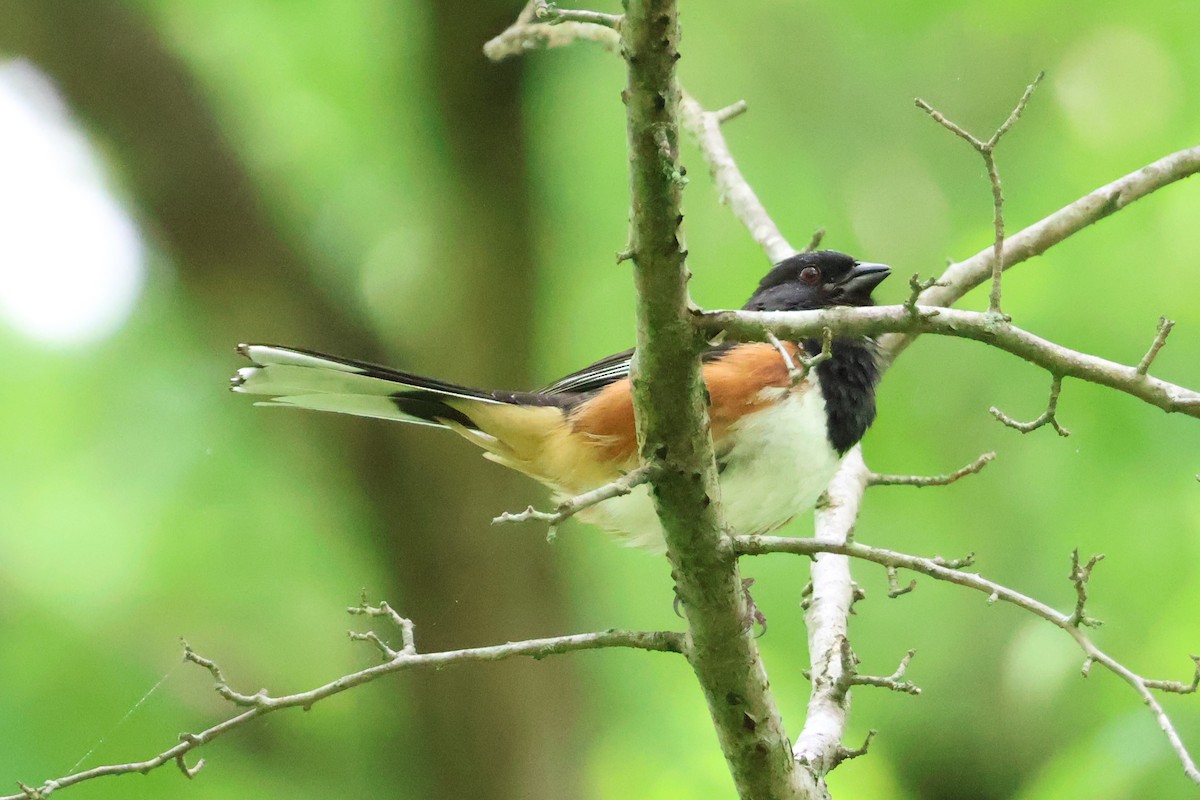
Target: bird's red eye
x=810 y=275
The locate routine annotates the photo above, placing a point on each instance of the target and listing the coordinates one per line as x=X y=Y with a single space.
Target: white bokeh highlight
x=72 y=263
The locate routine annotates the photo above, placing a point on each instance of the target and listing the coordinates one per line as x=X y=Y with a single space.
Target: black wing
x=611 y=369
x=594 y=376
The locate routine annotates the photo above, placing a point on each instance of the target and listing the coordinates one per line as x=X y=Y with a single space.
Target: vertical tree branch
x=672 y=424
x=827 y=618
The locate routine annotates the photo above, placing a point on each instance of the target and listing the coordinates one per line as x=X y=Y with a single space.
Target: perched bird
x=777 y=444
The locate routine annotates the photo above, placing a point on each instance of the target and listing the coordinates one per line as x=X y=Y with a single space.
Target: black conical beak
x=863 y=278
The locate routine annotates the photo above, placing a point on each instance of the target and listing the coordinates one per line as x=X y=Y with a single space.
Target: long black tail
x=303 y=379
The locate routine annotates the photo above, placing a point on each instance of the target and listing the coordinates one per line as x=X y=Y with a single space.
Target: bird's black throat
x=848 y=385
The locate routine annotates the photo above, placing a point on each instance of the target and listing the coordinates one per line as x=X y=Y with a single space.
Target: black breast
x=848 y=386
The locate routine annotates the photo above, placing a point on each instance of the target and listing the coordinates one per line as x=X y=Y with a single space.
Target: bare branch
x=1017 y=111
x=261 y=703
x=1039 y=237
x=730 y=111
x=987 y=150
x=525 y=35
x=407 y=629
x=895 y=681
x=1178 y=687
x=876 y=320
x=827 y=617
x=553 y=15
x=845 y=754
x=937 y=568
x=894 y=588
x=189 y=772
x=1047 y=417
x=877 y=479
x=732 y=188
x=1164 y=330
x=960 y=278
x=572 y=506
x=917 y=286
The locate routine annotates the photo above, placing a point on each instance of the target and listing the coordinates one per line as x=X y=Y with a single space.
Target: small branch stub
x=877 y=479
x=1080 y=575
x=845 y=753
x=553 y=15
x=815 y=241
x=798 y=373
x=894 y=588
x=1164 y=330
x=572 y=506
x=895 y=681
x=730 y=111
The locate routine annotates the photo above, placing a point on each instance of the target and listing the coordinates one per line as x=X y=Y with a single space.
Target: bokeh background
x=177 y=176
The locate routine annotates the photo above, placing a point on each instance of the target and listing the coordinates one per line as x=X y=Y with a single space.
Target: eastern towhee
x=777 y=444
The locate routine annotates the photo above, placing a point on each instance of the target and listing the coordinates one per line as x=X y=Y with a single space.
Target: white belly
x=779 y=465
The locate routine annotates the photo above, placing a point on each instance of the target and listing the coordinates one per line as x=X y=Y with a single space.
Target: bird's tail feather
x=304 y=379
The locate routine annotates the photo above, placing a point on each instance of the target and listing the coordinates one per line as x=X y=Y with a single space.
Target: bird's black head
x=816 y=280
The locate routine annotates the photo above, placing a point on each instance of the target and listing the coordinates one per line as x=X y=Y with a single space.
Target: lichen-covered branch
x=673 y=427
x=261 y=702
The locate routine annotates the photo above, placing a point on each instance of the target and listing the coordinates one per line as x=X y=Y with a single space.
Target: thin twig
x=1080 y=575
x=876 y=320
x=797 y=374
x=261 y=703
x=1160 y=338
x=895 y=681
x=963 y=276
x=572 y=506
x=936 y=568
x=877 y=479
x=845 y=753
x=526 y=34
x=1049 y=416
x=1179 y=687
x=916 y=287
x=732 y=188
x=730 y=111
x=987 y=150
x=894 y=588
x=406 y=626
x=553 y=15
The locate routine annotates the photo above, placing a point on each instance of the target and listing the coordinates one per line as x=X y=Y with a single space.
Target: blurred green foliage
x=138 y=501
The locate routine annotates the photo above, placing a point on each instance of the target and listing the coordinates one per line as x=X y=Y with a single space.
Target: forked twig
x=987 y=150
x=1047 y=417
